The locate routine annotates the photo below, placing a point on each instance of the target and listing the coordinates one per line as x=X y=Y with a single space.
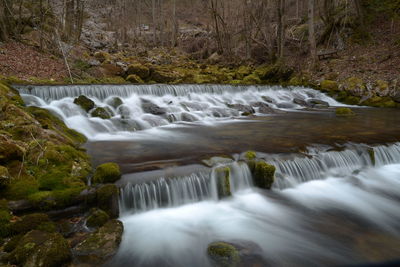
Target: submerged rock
x=242 y=108
x=264 y=108
x=101 y=245
x=41 y=249
x=107 y=173
x=84 y=102
x=316 y=103
x=300 y=102
x=223 y=254
x=188 y=117
x=150 y=107
x=344 y=112
x=213 y=161
x=115 y=102
x=264 y=174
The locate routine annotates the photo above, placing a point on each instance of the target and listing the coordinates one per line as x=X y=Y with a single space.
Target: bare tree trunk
x=311 y=31
x=153 y=11
x=281 y=29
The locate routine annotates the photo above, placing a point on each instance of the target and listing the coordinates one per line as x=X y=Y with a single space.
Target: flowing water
x=336 y=196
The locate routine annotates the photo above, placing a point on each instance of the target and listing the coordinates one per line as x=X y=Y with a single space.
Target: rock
x=396 y=96
x=213 y=161
x=264 y=108
x=285 y=105
x=10 y=151
x=41 y=249
x=382 y=87
x=29 y=222
x=242 y=108
x=214 y=58
x=94 y=63
x=268 y=99
x=101 y=245
x=188 y=117
x=84 y=102
x=124 y=111
x=162 y=76
x=5 y=218
x=274 y=73
x=355 y=86
x=133 y=78
x=264 y=174
x=252 y=79
x=107 y=173
x=150 y=107
x=328 y=85
x=250 y=155
x=222 y=178
x=107 y=199
x=5 y=177
x=316 y=103
x=101 y=56
x=344 y=112
x=19 y=205
x=300 y=102
x=101 y=112
x=223 y=254
x=97 y=218
x=115 y=102
x=138 y=69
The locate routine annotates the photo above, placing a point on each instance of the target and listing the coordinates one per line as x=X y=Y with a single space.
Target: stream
x=335 y=199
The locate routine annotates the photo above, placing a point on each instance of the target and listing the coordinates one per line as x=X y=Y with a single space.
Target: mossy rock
x=382 y=85
x=243 y=71
x=97 y=218
x=101 y=245
x=214 y=161
x=223 y=254
x=107 y=173
x=382 y=102
x=163 y=76
x=84 y=102
x=5 y=224
x=371 y=153
x=354 y=83
x=29 y=222
x=274 y=73
x=222 y=178
x=41 y=249
x=101 y=112
x=12 y=243
x=138 y=69
x=133 y=78
x=5 y=177
x=21 y=188
x=102 y=56
x=252 y=79
x=10 y=151
x=107 y=199
x=264 y=174
x=344 y=112
x=328 y=85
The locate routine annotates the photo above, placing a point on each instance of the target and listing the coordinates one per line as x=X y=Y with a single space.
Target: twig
x=65 y=58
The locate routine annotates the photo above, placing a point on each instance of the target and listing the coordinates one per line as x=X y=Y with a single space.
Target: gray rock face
x=150 y=107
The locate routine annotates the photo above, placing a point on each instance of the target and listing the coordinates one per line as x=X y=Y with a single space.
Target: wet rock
x=115 y=102
x=97 y=218
x=188 y=117
x=328 y=85
x=124 y=111
x=223 y=254
x=242 y=108
x=5 y=177
x=41 y=249
x=102 y=113
x=222 y=178
x=138 y=69
x=150 y=107
x=29 y=222
x=285 y=105
x=264 y=174
x=19 y=205
x=344 y=112
x=107 y=173
x=316 y=103
x=268 y=99
x=101 y=245
x=213 y=161
x=264 y=108
x=84 y=102
x=300 y=102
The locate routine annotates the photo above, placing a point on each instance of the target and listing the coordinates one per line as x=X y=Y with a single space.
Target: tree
x=311 y=31
x=281 y=29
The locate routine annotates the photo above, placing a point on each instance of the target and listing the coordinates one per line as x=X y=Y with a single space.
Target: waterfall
x=320 y=164
x=142 y=107
x=172 y=192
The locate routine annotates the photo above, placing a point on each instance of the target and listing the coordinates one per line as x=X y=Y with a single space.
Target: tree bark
x=311 y=31
x=281 y=29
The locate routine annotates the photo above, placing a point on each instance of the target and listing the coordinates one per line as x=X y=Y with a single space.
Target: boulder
x=344 y=112
x=115 y=102
x=30 y=222
x=124 y=111
x=162 y=76
x=188 y=117
x=107 y=199
x=97 y=218
x=242 y=108
x=101 y=245
x=223 y=254
x=264 y=174
x=107 y=173
x=10 y=151
x=268 y=99
x=396 y=96
x=101 y=112
x=328 y=85
x=41 y=249
x=84 y=102
x=150 y=107
x=138 y=69
x=133 y=78
x=300 y=102
x=316 y=103
x=263 y=108
x=285 y=105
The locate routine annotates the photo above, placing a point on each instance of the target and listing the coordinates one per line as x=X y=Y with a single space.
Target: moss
x=252 y=79
x=250 y=155
x=10 y=151
x=107 y=173
x=264 y=174
x=53 y=179
x=163 y=76
x=67 y=197
x=102 y=56
x=274 y=73
x=84 y=102
x=115 y=102
x=101 y=113
x=12 y=243
x=29 y=222
x=97 y=218
x=138 y=69
x=42 y=249
x=21 y=188
x=328 y=85
x=243 y=71
x=5 y=224
x=354 y=83
x=344 y=112
x=222 y=178
x=352 y=100
x=81 y=65
x=5 y=178
x=133 y=78
x=223 y=254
